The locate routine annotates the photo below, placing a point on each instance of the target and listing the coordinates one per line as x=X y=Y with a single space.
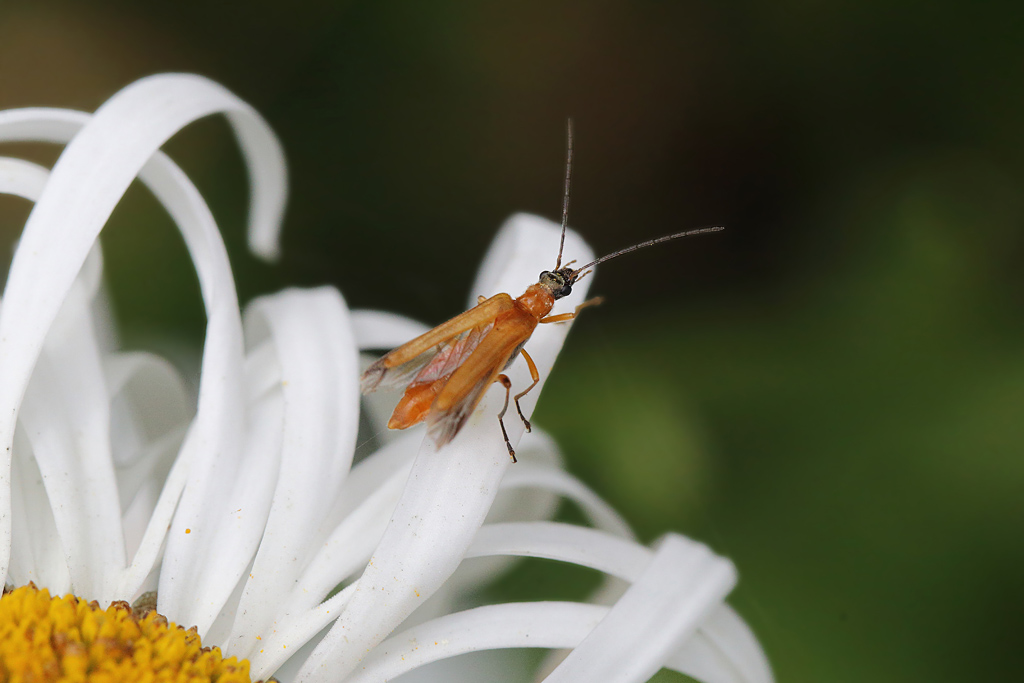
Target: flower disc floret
x=44 y=638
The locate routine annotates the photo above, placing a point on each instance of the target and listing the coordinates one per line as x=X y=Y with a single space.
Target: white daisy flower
x=242 y=507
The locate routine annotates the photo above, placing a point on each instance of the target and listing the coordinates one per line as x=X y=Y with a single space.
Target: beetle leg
x=536 y=378
x=564 y=317
x=507 y=383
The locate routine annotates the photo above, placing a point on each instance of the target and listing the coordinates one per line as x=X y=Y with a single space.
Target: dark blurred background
x=829 y=392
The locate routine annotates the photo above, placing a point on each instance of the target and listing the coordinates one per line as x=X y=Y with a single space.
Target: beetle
x=446 y=371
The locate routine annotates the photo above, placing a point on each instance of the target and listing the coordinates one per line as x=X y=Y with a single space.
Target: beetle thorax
x=537 y=300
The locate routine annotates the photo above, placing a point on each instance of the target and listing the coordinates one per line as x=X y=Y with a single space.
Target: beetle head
x=558 y=282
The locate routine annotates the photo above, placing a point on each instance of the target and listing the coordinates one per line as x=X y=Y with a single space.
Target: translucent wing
x=453 y=354
x=442 y=427
x=377 y=376
x=436 y=362
x=402 y=365
x=470 y=380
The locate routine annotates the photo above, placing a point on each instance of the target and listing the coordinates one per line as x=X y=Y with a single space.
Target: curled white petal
x=663 y=608
x=319 y=382
x=124 y=148
x=527 y=624
x=725 y=643
x=554 y=625
x=601 y=514
x=263 y=155
x=37 y=554
x=66 y=427
x=730 y=647
x=643 y=631
x=566 y=542
x=22 y=178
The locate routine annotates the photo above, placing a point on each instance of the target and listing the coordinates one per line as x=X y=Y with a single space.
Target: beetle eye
x=565 y=291
x=543 y=274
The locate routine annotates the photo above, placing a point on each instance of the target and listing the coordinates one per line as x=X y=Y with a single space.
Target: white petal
x=365 y=505
x=66 y=418
x=74 y=456
x=725 y=637
x=380 y=330
x=261 y=151
x=234 y=510
x=449 y=492
x=150 y=547
x=507 y=666
x=726 y=644
x=37 y=548
x=512 y=504
x=136 y=515
x=649 y=628
x=525 y=624
x=601 y=514
x=319 y=382
x=85 y=184
x=681 y=586
x=523 y=503
x=37 y=552
x=360 y=515
x=87 y=181
x=726 y=640
x=292 y=631
x=149 y=401
x=22 y=178
x=528 y=625
x=566 y=542
x=526 y=245
x=290 y=668
x=150 y=412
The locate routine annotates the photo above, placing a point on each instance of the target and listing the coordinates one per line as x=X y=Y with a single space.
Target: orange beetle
x=446 y=371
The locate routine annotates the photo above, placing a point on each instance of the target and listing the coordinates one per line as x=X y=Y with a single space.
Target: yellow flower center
x=70 y=640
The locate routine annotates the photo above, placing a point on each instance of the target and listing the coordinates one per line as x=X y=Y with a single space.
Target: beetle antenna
x=565 y=195
x=641 y=245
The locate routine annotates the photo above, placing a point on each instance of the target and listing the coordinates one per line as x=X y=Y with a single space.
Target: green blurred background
x=829 y=392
